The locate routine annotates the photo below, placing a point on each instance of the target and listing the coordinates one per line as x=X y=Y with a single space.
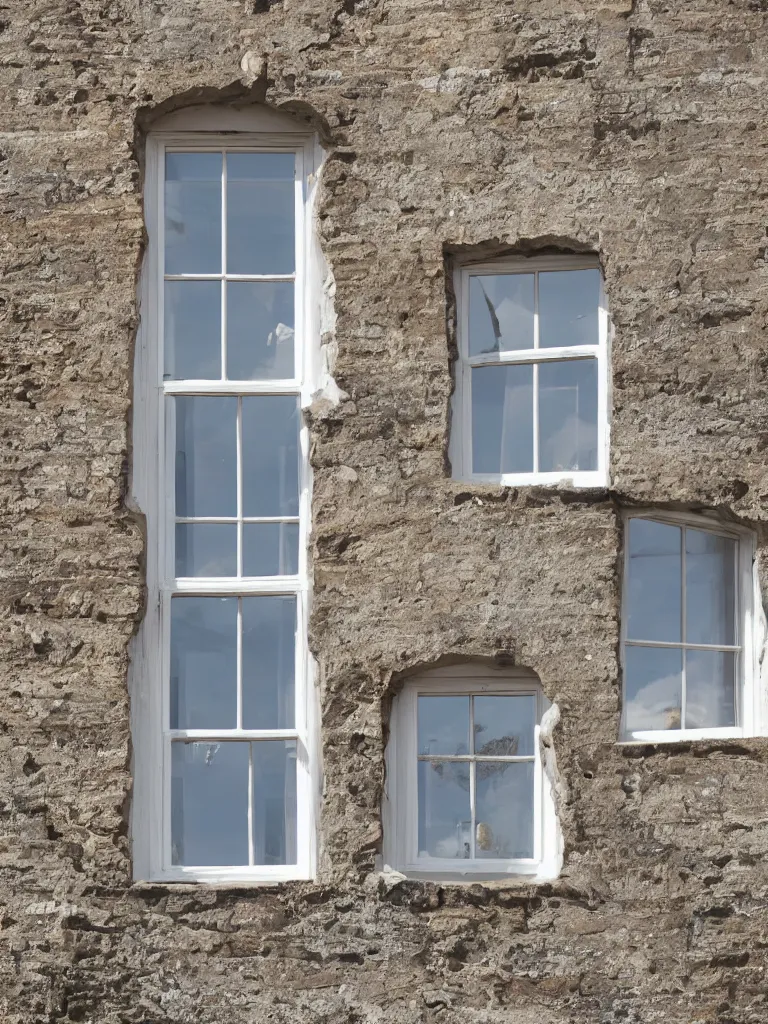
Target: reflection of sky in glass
x=500 y=313
x=568 y=415
x=504 y=810
x=443 y=725
x=504 y=726
x=679 y=687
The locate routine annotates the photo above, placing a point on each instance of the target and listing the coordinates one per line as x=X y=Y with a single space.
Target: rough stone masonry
x=632 y=128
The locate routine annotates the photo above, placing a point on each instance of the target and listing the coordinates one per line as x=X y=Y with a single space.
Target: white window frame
x=153 y=494
x=751 y=698
x=460 y=447
x=400 y=802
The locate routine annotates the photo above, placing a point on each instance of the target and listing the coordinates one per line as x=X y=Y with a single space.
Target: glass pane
x=206 y=549
x=259 y=330
x=269 y=652
x=274 y=802
x=271 y=456
x=502 y=419
x=203 y=662
x=443 y=725
x=445 y=819
x=710 y=581
x=206 y=456
x=209 y=803
x=568 y=306
x=192 y=330
x=260 y=213
x=500 y=313
x=504 y=726
x=654 y=591
x=568 y=415
x=270 y=549
x=710 y=689
x=653 y=682
x=193 y=213
x=504 y=810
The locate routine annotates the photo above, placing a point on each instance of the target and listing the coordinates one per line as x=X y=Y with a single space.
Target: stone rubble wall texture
x=634 y=128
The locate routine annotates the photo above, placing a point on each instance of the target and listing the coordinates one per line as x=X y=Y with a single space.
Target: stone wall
x=633 y=128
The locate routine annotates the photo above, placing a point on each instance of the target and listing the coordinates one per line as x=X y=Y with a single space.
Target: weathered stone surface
x=634 y=128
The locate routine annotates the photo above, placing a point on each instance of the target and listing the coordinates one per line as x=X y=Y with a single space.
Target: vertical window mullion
x=472 y=780
x=239 y=484
x=683 y=615
x=535 y=381
x=224 y=265
x=239 y=663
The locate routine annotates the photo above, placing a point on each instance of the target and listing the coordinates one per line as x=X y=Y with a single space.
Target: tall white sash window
x=222 y=696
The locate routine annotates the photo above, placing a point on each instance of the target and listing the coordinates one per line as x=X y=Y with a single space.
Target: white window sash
x=460 y=445
x=400 y=803
x=153 y=493
x=750 y=702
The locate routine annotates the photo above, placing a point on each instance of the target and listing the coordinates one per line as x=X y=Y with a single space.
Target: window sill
x=567 y=481
x=663 y=738
x=488 y=879
x=223 y=877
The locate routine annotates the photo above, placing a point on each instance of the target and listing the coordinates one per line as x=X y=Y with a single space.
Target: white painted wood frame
x=750 y=634
x=400 y=802
x=152 y=494
x=460 y=447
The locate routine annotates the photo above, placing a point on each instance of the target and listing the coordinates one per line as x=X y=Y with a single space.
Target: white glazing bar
x=233 y=519
x=223 y=266
x=512 y=759
x=287 y=278
x=535 y=382
x=226 y=387
x=239 y=471
x=239 y=663
x=205 y=586
x=250 y=805
x=472 y=780
x=533 y=355
x=683 y=613
x=680 y=646
x=233 y=735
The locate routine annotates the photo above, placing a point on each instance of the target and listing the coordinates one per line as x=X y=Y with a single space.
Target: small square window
x=531 y=379
x=466 y=795
x=688 y=636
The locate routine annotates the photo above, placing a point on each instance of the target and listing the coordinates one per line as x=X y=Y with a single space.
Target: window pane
x=203 y=662
x=654 y=592
x=500 y=313
x=269 y=653
x=271 y=456
x=502 y=419
x=209 y=803
x=259 y=330
x=443 y=725
x=710 y=689
x=710 y=580
x=653 y=680
x=274 y=802
x=504 y=810
x=193 y=213
x=206 y=456
x=504 y=726
x=568 y=415
x=192 y=330
x=270 y=549
x=568 y=305
x=445 y=819
x=260 y=213
x=206 y=549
